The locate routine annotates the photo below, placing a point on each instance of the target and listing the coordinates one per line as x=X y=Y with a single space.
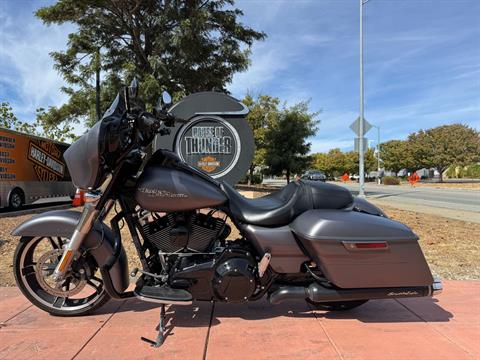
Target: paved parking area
x=446 y=327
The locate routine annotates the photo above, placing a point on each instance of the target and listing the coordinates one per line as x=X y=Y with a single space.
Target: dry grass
x=452 y=247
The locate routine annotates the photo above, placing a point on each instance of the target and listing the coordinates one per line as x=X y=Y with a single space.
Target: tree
x=262 y=117
x=445 y=145
x=183 y=46
x=396 y=155
x=8 y=120
x=352 y=158
x=287 y=145
x=332 y=163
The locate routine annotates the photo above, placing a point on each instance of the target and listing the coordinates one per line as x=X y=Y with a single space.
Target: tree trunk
x=288 y=176
x=97 y=85
x=250 y=176
x=440 y=170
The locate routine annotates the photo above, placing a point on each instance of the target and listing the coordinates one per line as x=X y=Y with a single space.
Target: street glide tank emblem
x=161 y=193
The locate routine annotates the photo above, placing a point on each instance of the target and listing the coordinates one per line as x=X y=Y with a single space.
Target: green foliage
x=286 y=140
x=459 y=172
x=390 y=180
x=445 y=145
x=396 y=155
x=336 y=163
x=262 y=116
x=182 y=46
x=250 y=179
x=8 y=120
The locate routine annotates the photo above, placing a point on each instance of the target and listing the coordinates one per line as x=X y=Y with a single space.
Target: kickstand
x=161 y=330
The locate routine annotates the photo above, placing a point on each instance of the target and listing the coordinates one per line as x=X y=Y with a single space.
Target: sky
x=421 y=58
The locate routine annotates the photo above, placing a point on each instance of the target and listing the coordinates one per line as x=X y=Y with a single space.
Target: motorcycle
x=310 y=240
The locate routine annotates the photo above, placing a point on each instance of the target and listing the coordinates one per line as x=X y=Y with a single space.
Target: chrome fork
x=89 y=215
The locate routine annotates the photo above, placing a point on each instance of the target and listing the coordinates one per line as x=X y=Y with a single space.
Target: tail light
x=365 y=245
x=79 y=199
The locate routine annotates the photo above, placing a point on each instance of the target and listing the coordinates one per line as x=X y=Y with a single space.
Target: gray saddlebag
x=358 y=250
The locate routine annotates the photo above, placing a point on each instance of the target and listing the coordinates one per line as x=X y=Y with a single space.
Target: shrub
x=256 y=179
x=390 y=180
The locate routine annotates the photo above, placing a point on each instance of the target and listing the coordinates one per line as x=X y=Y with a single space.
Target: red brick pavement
x=446 y=327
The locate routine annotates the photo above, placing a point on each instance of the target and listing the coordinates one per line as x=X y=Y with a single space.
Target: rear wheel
x=80 y=293
x=16 y=199
x=337 y=305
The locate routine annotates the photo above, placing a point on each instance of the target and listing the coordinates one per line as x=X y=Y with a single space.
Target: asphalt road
x=465 y=200
x=451 y=199
x=39 y=206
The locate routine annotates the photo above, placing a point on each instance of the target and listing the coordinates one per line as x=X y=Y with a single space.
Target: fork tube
x=89 y=215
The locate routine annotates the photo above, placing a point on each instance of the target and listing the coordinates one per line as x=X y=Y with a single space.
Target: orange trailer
x=31 y=168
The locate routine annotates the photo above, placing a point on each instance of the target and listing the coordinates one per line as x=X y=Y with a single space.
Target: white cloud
x=27 y=68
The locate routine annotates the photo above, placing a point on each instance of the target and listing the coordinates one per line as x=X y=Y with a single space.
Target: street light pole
x=361 y=127
x=378 y=153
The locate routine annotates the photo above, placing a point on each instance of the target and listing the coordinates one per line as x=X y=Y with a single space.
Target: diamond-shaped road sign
x=355 y=126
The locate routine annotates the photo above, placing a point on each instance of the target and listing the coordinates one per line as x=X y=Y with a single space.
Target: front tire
x=32 y=270
x=337 y=305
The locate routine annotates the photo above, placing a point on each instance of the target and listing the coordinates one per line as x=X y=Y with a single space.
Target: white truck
x=31 y=169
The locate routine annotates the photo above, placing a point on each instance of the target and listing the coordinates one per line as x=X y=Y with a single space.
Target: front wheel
x=337 y=305
x=80 y=293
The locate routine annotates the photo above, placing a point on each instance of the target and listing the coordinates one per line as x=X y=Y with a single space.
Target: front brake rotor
x=71 y=285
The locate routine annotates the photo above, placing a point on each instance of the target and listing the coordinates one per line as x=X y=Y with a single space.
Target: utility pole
x=361 y=127
x=378 y=153
x=97 y=84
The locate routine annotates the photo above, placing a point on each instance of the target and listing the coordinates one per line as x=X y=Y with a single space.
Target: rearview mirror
x=166 y=99
x=133 y=89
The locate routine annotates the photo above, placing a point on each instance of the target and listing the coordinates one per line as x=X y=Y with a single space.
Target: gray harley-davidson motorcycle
x=309 y=240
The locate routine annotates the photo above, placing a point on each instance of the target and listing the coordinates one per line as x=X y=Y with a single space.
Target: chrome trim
x=263 y=264
x=91 y=197
x=85 y=224
x=160 y=301
x=437 y=287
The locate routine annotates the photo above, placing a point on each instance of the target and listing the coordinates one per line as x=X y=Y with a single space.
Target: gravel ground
x=452 y=247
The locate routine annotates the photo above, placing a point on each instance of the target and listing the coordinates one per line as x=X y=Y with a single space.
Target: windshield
x=83 y=157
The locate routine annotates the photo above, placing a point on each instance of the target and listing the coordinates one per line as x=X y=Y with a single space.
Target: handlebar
x=148 y=125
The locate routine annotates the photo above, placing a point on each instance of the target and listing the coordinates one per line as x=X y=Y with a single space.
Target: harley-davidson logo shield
x=208 y=163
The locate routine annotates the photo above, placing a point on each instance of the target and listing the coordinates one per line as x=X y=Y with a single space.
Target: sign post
x=360 y=127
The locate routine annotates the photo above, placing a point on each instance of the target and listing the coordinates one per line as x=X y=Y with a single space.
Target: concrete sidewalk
x=447 y=327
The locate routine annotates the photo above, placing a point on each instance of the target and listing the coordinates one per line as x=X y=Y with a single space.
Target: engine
x=176 y=232
x=195 y=255
x=229 y=276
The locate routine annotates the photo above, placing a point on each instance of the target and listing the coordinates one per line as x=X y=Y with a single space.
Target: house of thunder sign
x=210 y=144
x=217 y=138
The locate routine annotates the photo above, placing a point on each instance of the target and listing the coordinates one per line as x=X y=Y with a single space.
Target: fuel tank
x=166 y=189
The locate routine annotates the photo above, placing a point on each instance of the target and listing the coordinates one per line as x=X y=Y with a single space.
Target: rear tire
x=337 y=305
x=16 y=199
x=24 y=262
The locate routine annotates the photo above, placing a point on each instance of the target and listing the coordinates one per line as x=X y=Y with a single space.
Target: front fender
x=100 y=240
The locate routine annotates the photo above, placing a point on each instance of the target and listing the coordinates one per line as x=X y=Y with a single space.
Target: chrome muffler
x=319 y=293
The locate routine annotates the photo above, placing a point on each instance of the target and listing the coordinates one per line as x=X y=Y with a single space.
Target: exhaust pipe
x=319 y=293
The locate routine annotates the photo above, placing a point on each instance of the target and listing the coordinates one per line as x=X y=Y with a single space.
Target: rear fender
x=100 y=240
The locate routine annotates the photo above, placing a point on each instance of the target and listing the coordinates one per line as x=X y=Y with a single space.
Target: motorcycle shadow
x=206 y=314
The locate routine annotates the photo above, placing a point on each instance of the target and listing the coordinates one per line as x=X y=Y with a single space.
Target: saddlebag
x=358 y=250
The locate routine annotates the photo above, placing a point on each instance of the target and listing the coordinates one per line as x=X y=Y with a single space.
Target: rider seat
x=283 y=206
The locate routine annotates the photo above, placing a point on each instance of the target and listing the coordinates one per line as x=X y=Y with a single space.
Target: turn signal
x=79 y=199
